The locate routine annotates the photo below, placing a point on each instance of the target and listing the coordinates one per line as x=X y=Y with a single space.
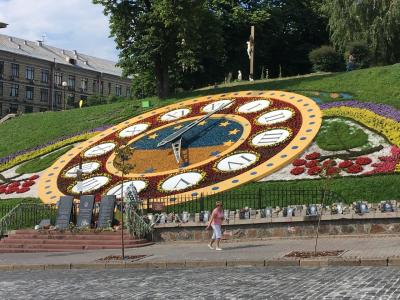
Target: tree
x=163 y=40
x=375 y=22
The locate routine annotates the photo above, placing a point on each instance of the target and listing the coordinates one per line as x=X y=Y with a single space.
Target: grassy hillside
x=381 y=84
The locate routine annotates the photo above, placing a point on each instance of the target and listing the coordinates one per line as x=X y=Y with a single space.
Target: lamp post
x=64 y=85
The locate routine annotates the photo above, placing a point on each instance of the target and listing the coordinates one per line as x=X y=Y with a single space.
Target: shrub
x=361 y=53
x=326 y=59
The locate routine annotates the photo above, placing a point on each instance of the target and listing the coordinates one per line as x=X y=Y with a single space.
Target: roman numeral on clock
x=274 y=117
x=237 y=163
x=186 y=183
x=270 y=137
x=91 y=184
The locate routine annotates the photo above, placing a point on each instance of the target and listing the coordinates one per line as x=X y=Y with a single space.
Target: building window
x=45 y=76
x=118 y=90
x=44 y=95
x=101 y=87
x=15 y=70
x=28 y=109
x=30 y=73
x=109 y=88
x=1 y=90
x=84 y=84
x=71 y=99
x=1 y=68
x=58 y=98
x=58 y=78
x=29 y=93
x=128 y=92
x=13 y=108
x=71 y=81
x=14 y=90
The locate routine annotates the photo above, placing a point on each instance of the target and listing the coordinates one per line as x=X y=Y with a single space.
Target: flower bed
x=388 y=127
x=18 y=187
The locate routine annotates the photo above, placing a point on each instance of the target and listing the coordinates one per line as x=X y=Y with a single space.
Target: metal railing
x=26 y=215
x=236 y=200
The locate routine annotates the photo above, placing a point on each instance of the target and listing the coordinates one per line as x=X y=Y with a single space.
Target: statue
x=239 y=75
x=249 y=49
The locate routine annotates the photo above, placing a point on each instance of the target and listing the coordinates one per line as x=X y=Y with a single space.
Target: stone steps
x=50 y=241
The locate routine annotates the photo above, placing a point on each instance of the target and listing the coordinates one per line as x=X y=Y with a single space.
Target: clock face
x=203 y=145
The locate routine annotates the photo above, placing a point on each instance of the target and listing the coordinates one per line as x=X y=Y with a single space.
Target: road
x=221 y=283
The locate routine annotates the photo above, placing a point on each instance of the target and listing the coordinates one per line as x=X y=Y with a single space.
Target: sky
x=69 y=24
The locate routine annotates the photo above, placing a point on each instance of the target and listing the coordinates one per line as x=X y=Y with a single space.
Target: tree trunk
x=162 y=77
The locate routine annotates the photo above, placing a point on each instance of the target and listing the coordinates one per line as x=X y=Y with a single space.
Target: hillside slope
x=380 y=84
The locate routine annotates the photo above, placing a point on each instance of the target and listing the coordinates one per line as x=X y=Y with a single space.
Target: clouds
x=69 y=24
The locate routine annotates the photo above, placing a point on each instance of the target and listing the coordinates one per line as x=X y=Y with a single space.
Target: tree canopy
x=167 y=45
x=376 y=22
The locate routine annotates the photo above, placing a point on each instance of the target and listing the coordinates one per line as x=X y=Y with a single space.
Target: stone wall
x=378 y=223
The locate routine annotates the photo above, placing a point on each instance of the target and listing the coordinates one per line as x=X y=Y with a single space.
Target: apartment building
x=37 y=77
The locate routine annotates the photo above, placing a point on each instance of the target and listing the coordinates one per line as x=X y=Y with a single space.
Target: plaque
x=85 y=211
x=64 y=212
x=157 y=206
x=106 y=213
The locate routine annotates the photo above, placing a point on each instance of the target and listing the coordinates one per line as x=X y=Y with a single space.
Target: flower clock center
x=207 y=141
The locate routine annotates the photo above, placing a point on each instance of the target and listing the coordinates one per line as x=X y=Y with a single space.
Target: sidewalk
x=378 y=251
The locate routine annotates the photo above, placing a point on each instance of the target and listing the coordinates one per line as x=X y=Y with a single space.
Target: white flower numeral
x=270 y=137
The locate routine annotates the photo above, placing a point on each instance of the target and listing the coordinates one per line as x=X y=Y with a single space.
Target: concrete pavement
x=366 y=250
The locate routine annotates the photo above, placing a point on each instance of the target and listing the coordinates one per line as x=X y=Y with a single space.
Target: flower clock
x=199 y=146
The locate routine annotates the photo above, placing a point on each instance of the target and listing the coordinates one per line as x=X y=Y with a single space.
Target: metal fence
x=262 y=198
x=26 y=215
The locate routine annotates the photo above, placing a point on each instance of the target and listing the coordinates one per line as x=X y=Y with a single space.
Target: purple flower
x=383 y=110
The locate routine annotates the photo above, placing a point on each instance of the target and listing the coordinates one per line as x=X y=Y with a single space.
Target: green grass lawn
x=41 y=163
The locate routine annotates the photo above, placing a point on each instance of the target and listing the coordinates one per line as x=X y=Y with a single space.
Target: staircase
x=54 y=241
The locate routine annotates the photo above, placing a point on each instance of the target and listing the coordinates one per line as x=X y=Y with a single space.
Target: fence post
x=259 y=198
x=201 y=202
x=147 y=205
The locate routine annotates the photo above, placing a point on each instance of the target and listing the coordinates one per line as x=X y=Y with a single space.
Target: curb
x=193 y=264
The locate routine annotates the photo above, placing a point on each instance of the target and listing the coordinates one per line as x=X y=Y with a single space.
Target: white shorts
x=216 y=231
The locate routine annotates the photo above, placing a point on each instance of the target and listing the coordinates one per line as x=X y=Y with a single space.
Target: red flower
x=333 y=171
x=28 y=183
x=345 y=164
x=314 y=155
x=297 y=171
x=329 y=163
x=11 y=190
x=354 y=169
x=13 y=184
x=23 y=190
x=299 y=162
x=312 y=163
x=3 y=190
x=363 y=160
x=33 y=177
x=314 y=170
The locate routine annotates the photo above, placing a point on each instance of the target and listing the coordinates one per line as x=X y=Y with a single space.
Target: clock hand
x=175 y=135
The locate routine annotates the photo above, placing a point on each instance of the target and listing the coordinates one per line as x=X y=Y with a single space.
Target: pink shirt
x=218 y=216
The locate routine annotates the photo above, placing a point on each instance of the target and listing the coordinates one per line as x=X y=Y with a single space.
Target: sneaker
x=218 y=249
x=211 y=247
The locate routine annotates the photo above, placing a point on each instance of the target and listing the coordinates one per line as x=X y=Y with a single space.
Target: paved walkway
x=361 y=247
x=239 y=283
